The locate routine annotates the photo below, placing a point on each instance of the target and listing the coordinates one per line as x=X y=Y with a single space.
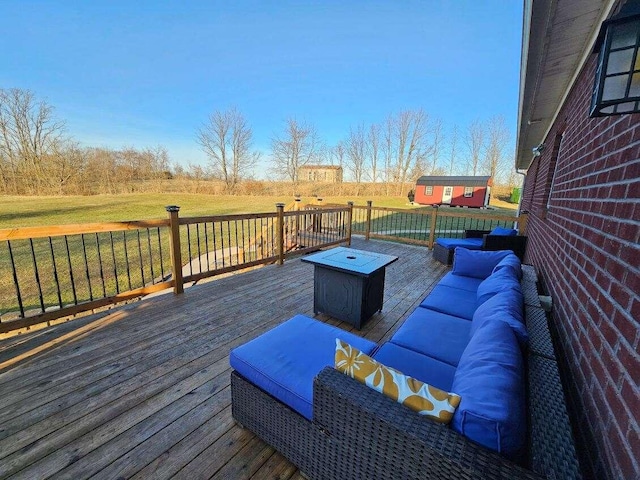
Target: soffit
x=557 y=37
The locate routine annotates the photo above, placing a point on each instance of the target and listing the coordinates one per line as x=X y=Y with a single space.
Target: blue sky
x=147 y=73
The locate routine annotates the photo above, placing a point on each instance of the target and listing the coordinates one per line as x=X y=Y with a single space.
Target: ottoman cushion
x=285 y=360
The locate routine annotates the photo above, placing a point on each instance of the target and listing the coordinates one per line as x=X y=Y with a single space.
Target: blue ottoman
x=284 y=361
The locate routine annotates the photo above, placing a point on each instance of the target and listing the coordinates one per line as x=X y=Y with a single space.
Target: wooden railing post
x=522 y=220
x=296 y=207
x=349 y=220
x=432 y=228
x=280 y=232
x=176 y=253
x=367 y=230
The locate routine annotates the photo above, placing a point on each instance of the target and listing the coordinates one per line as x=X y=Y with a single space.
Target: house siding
x=585 y=249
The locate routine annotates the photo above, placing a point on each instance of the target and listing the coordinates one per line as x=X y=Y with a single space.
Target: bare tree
x=356 y=153
x=475 y=144
x=227 y=140
x=454 y=148
x=29 y=133
x=436 y=145
x=497 y=140
x=298 y=145
x=410 y=135
x=337 y=154
x=373 y=151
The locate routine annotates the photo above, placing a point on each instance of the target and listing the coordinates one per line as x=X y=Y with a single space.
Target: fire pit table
x=348 y=283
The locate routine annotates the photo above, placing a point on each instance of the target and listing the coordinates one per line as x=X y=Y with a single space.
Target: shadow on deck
x=143 y=391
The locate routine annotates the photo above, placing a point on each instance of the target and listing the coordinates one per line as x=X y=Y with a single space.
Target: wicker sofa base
x=443 y=254
x=358 y=433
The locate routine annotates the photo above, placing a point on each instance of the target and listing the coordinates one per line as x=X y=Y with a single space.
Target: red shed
x=454 y=191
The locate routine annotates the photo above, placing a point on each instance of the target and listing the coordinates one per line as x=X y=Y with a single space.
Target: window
x=468 y=192
x=428 y=190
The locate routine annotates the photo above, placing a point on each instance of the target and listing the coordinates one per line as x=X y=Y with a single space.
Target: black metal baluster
x=55 y=272
x=206 y=245
x=215 y=246
x=15 y=280
x=86 y=266
x=229 y=238
x=244 y=254
x=160 y=253
x=104 y=289
x=35 y=269
x=153 y=275
x=140 y=257
x=222 y=243
x=198 y=245
x=115 y=264
x=189 y=249
x=126 y=258
x=73 y=282
x=235 y=228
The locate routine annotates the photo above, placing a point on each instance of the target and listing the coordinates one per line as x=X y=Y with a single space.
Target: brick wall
x=585 y=249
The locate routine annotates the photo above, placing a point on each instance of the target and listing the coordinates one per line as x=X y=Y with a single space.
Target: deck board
x=143 y=391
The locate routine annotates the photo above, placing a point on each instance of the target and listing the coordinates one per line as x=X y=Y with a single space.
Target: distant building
x=320 y=173
x=453 y=190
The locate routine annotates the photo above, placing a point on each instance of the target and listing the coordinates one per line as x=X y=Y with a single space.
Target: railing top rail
x=23 y=233
x=319 y=211
x=420 y=211
x=224 y=218
x=480 y=216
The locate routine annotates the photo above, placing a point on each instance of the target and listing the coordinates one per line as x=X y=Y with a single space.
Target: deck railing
x=59 y=271
x=52 y=272
x=423 y=225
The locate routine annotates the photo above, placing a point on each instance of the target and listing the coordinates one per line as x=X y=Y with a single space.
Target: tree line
x=38 y=156
x=395 y=152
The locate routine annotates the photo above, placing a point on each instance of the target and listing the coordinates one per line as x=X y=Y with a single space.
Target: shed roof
x=454 y=181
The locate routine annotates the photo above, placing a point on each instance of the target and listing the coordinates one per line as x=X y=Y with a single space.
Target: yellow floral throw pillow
x=421 y=397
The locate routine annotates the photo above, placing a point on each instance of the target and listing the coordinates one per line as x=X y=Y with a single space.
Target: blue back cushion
x=476 y=263
x=498 y=281
x=505 y=307
x=511 y=262
x=491 y=381
x=503 y=231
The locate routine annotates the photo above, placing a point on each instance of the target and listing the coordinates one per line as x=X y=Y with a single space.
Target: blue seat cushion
x=421 y=367
x=285 y=360
x=470 y=243
x=438 y=335
x=490 y=379
x=503 y=231
x=456 y=302
x=477 y=263
x=506 y=307
x=460 y=282
x=498 y=281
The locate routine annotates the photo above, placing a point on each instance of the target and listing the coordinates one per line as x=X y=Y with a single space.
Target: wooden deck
x=143 y=391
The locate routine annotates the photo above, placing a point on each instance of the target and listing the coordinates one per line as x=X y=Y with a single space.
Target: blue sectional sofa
x=467 y=337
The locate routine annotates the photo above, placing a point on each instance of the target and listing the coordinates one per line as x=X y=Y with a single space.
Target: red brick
x=630 y=361
x=623 y=457
x=631 y=396
x=626 y=326
x=620 y=294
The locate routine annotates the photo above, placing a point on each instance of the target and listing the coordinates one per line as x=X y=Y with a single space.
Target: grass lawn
x=39 y=211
